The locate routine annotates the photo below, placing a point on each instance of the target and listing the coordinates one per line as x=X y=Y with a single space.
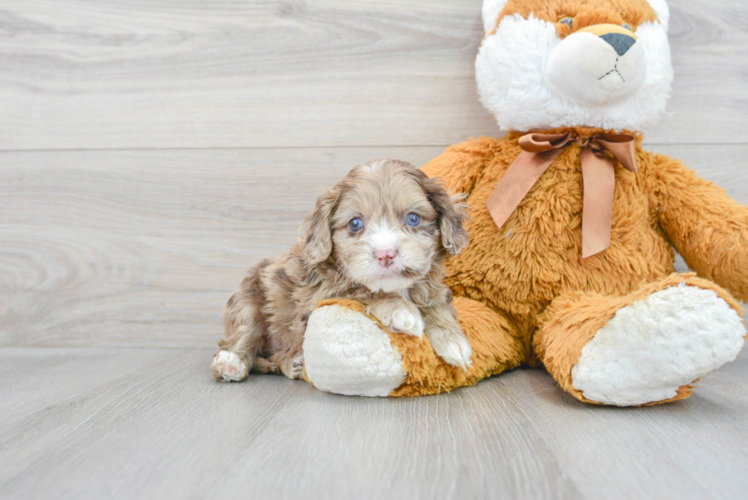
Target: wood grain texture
x=125 y=423
x=110 y=239
x=103 y=248
x=174 y=74
x=142 y=248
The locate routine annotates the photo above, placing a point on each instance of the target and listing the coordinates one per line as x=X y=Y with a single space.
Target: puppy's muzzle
x=385 y=257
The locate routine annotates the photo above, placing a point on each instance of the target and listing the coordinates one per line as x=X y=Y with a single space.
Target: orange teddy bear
x=573 y=226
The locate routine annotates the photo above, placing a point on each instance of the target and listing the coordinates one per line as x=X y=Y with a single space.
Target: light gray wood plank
x=164 y=421
x=142 y=248
x=103 y=248
x=236 y=73
x=469 y=444
x=42 y=380
x=689 y=449
x=165 y=74
x=710 y=87
x=159 y=426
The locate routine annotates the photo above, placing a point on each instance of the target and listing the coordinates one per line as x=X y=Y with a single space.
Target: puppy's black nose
x=621 y=43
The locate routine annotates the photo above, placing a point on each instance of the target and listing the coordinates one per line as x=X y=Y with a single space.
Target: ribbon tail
x=623 y=148
x=597 y=215
x=517 y=182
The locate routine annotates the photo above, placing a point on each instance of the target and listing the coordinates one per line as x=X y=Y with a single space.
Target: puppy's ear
x=451 y=214
x=317 y=231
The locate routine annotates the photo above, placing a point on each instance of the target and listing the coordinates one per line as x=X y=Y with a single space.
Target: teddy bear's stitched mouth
x=614 y=70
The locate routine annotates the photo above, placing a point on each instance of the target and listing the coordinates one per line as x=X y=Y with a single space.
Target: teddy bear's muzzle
x=597 y=65
x=618 y=37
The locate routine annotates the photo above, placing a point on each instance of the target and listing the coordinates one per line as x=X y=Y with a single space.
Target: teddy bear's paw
x=228 y=367
x=657 y=345
x=345 y=352
x=452 y=346
x=404 y=321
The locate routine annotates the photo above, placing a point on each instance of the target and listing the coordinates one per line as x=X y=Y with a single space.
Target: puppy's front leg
x=398 y=315
x=446 y=336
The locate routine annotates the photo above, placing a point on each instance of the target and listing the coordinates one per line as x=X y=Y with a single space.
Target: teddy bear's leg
x=349 y=352
x=647 y=347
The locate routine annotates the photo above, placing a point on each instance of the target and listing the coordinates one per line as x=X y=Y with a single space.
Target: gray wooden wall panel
x=105 y=247
x=156 y=74
x=142 y=248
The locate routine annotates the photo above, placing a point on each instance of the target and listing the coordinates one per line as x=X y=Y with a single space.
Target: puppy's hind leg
x=234 y=359
x=242 y=342
x=290 y=363
x=262 y=365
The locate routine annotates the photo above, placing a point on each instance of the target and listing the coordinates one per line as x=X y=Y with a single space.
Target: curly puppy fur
x=266 y=317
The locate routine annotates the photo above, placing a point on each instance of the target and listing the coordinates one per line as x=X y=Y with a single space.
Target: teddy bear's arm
x=707 y=227
x=461 y=164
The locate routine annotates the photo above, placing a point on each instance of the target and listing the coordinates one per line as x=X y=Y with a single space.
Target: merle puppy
x=378 y=236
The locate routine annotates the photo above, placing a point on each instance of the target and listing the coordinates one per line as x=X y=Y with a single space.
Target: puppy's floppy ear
x=317 y=231
x=450 y=211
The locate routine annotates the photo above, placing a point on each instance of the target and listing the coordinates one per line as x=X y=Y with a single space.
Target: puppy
x=379 y=236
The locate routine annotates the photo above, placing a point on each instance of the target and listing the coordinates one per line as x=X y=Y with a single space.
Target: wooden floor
x=152 y=423
x=152 y=150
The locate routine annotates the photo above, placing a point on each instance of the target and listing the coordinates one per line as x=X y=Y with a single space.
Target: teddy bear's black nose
x=621 y=43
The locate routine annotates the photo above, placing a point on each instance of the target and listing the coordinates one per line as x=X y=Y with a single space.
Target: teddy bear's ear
x=491 y=9
x=662 y=9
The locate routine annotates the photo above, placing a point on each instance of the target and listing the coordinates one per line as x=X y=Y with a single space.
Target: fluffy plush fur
x=535 y=73
x=652 y=349
x=356 y=357
x=619 y=327
x=379 y=237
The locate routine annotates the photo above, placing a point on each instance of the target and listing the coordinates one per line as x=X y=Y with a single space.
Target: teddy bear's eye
x=627 y=26
x=568 y=21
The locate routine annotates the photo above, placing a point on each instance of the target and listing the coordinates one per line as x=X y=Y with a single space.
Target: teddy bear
x=573 y=226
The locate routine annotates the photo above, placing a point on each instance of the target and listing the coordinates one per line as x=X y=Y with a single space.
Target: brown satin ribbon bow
x=598 y=173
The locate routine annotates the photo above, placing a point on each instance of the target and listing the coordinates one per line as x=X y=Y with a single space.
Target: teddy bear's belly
x=537 y=255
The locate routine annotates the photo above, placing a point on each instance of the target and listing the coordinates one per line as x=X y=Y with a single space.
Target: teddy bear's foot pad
x=347 y=353
x=656 y=345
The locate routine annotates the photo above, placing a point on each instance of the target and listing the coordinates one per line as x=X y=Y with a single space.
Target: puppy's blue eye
x=356 y=225
x=413 y=219
x=627 y=26
x=568 y=21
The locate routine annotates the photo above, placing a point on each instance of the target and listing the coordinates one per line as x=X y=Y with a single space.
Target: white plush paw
x=452 y=347
x=229 y=366
x=654 y=346
x=404 y=321
x=345 y=352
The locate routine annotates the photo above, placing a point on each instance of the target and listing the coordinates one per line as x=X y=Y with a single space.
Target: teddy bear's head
x=564 y=63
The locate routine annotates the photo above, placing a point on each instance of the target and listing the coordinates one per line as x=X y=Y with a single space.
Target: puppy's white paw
x=452 y=347
x=404 y=321
x=229 y=367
